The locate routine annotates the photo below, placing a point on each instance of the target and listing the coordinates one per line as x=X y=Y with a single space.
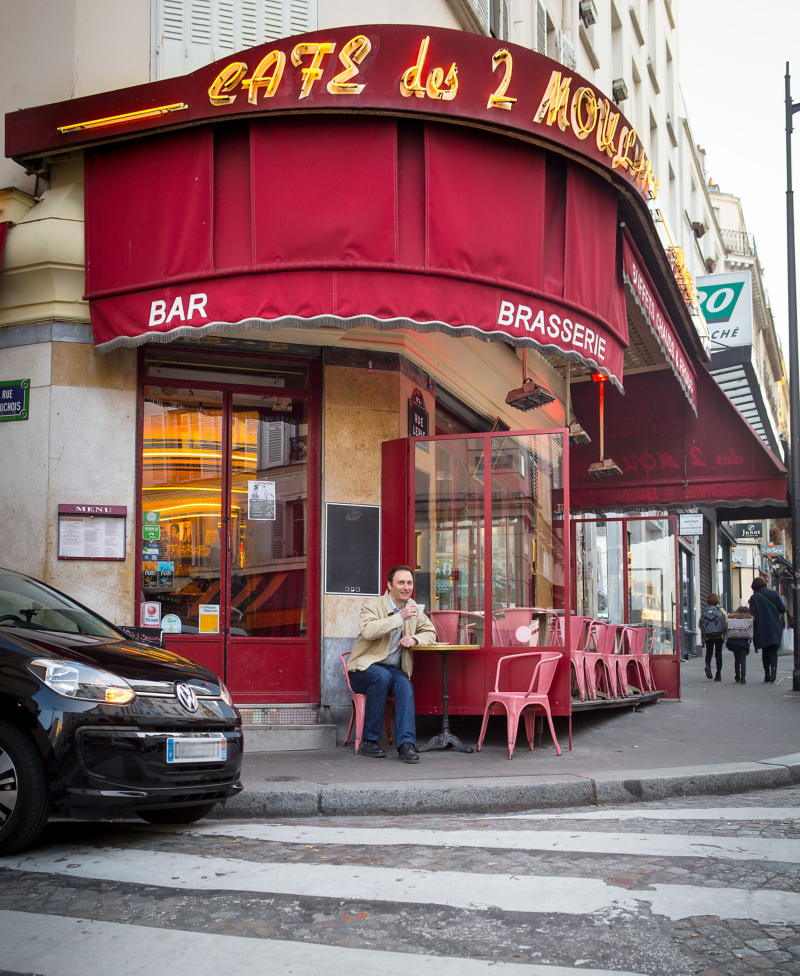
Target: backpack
x=740 y=626
x=712 y=622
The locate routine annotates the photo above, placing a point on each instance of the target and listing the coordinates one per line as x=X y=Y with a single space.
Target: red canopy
x=668 y=456
x=3 y=232
x=352 y=221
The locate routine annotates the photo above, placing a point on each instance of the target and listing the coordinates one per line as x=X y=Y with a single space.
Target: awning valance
x=668 y=456
x=647 y=298
x=348 y=222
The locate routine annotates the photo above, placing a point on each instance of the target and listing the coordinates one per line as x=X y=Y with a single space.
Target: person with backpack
x=740 y=632
x=713 y=626
x=767 y=609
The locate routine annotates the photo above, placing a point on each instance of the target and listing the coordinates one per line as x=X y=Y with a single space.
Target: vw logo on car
x=186 y=696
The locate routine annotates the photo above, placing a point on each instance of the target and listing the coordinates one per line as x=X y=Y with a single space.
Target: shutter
x=199 y=50
x=541 y=28
x=171 y=51
x=300 y=16
x=566 y=52
x=706 y=564
x=277 y=531
x=272 y=20
x=224 y=28
x=249 y=34
x=480 y=9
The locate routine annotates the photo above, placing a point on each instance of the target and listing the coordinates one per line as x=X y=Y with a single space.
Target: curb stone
x=512 y=795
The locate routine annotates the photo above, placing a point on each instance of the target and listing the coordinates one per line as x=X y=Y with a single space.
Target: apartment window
x=190 y=33
x=498 y=19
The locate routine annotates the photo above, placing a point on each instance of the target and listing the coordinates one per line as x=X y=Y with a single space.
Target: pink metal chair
x=583 y=666
x=449 y=622
x=508 y=620
x=599 y=660
x=516 y=703
x=635 y=640
x=359 y=708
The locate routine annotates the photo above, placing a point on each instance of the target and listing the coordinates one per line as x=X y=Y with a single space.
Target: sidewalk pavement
x=720 y=738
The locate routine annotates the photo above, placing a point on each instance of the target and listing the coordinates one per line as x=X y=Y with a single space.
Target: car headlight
x=80 y=681
x=225 y=695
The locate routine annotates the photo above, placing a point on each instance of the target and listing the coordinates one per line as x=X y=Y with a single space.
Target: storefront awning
x=647 y=298
x=3 y=232
x=667 y=455
x=429 y=227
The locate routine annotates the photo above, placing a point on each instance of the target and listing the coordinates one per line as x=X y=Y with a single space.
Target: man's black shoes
x=408 y=753
x=372 y=749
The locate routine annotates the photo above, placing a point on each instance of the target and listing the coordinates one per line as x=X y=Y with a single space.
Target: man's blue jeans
x=378 y=682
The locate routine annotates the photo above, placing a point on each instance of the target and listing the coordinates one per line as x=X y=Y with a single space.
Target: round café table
x=445 y=739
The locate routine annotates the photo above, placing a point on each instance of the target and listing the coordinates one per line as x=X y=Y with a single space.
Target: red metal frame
x=667 y=666
x=474 y=680
x=216 y=651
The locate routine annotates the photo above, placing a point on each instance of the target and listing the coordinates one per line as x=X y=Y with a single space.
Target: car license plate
x=200 y=749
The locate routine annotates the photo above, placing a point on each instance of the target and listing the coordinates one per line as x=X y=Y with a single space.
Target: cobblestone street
x=704 y=885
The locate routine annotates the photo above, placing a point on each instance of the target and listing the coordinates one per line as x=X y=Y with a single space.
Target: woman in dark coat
x=767 y=609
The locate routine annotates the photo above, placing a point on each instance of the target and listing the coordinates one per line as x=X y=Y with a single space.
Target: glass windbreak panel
x=448 y=532
x=182 y=505
x=269 y=516
x=652 y=591
x=600 y=565
x=527 y=537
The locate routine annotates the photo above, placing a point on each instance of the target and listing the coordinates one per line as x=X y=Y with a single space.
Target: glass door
x=228 y=515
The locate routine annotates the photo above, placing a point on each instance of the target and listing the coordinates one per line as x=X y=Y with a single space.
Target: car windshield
x=29 y=605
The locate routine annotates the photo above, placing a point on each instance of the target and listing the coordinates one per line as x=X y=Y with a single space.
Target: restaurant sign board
x=743 y=531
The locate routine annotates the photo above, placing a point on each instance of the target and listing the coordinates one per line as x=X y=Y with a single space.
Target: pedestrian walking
x=768 y=610
x=740 y=633
x=713 y=626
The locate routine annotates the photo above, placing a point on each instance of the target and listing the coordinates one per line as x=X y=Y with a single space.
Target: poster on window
x=261 y=501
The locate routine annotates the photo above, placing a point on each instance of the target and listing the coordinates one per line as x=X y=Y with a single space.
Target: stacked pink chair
x=525 y=703
x=602 y=638
x=635 y=639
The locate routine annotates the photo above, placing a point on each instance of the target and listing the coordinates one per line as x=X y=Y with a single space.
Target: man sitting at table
x=381 y=661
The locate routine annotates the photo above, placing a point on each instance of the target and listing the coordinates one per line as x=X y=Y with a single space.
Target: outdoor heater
x=530 y=395
x=605 y=467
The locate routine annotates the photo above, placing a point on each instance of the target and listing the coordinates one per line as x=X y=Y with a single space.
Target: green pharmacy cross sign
x=14 y=399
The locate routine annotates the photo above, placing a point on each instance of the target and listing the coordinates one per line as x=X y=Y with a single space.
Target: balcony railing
x=739 y=242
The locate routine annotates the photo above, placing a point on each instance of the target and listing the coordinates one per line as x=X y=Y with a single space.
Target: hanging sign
x=748 y=530
x=690 y=524
x=14 y=399
x=417 y=415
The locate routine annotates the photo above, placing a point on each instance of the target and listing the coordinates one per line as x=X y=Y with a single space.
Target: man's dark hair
x=397 y=569
x=758 y=583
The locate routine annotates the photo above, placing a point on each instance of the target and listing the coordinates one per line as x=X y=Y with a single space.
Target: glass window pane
x=181 y=502
x=269 y=516
x=651 y=580
x=448 y=530
x=600 y=566
x=527 y=537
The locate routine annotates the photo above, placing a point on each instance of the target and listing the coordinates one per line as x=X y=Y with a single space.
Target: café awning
x=669 y=456
x=3 y=233
x=353 y=221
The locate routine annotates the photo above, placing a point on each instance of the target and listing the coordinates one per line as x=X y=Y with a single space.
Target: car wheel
x=177 y=815
x=24 y=794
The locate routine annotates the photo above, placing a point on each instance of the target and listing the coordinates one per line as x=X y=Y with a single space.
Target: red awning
x=668 y=456
x=432 y=227
x=649 y=301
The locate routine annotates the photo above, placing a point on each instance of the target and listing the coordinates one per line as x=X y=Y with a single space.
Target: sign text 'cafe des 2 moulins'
x=413 y=181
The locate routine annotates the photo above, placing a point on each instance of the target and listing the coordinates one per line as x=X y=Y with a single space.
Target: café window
x=488 y=537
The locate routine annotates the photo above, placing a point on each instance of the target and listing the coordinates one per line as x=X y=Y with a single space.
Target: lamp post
x=794 y=383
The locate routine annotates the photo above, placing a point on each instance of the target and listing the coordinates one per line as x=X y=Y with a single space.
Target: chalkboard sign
x=353 y=549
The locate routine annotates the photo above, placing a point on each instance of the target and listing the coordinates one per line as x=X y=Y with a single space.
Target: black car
x=95 y=725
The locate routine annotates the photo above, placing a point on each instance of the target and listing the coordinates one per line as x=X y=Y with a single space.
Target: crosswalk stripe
x=748 y=814
x=510 y=893
x=53 y=945
x=586 y=842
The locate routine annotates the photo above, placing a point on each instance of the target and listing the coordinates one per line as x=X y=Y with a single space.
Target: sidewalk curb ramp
x=511 y=794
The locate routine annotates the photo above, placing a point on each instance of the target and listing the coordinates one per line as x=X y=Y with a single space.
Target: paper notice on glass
x=208 y=622
x=261 y=501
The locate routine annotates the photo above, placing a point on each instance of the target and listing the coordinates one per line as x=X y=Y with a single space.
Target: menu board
x=91 y=537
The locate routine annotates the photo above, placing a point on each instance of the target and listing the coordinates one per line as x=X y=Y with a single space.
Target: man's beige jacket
x=378 y=620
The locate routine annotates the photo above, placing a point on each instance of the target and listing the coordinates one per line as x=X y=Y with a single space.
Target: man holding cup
x=381 y=661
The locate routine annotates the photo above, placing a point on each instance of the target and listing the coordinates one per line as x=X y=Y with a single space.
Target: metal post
x=794 y=383
x=602 y=418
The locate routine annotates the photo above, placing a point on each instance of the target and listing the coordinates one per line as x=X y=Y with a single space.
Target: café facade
x=326 y=266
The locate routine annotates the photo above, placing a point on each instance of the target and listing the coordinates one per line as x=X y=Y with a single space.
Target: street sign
x=690 y=524
x=14 y=399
